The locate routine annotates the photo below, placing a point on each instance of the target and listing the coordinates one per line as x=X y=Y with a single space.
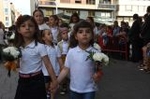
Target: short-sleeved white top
x=81 y=70
x=55 y=32
x=64 y=47
x=43 y=26
x=53 y=54
x=31 y=59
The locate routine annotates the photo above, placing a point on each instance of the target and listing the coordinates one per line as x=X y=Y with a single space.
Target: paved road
x=121 y=80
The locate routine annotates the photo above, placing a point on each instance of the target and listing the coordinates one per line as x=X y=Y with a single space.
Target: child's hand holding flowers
x=99 y=60
x=10 y=55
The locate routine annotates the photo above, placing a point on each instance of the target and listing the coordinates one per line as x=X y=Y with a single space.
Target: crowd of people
x=53 y=51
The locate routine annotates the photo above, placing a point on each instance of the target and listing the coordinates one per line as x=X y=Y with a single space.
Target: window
x=71 y=11
x=6 y=18
x=91 y=13
x=77 y=1
x=135 y=8
x=6 y=24
x=108 y=15
x=141 y=9
x=90 y=1
x=6 y=11
x=48 y=12
x=64 y=1
x=128 y=8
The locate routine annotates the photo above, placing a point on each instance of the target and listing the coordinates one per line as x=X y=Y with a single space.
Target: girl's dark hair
x=42 y=34
x=148 y=9
x=55 y=18
x=64 y=25
x=18 y=37
x=92 y=20
x=80 y=24
x=74 y=15
x=37 y=11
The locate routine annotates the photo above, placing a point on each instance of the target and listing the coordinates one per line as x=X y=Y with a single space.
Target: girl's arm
x=50 y=69
x=63 y=74
x=60 y=61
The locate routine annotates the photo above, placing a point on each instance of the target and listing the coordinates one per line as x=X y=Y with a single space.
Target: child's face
x=47 y=36
x=74 y=19
x=84 y=36
x=52 y=21
x=27 y=29
x=64 y=34
x=88 y=20
x=38 y=17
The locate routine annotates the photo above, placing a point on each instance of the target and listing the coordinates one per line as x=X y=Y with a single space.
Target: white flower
x=12 y=51
x=96 y=46
x=97 y=57
x=101 y=57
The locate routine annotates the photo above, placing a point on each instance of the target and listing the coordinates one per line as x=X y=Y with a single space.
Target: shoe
x=141 y=65
x=62 y=92
x=147 y=71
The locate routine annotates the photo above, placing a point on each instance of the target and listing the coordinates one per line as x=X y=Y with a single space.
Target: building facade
x=103 y=11
x=129 y=7
x=7 y=13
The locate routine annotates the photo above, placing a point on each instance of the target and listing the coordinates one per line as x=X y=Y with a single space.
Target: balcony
x=66 y=5
x=47 y=3
x=103 y=6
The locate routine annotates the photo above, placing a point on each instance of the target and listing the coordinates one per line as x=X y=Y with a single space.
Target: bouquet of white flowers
x=10 y=55
x=99 y=58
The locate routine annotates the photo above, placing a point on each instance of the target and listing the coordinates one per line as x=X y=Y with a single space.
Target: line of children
x=36 y=55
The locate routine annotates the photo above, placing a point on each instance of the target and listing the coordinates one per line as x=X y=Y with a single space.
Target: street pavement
x=121 y=80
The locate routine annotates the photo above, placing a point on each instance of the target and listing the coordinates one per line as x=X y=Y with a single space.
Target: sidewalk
x=121 y=80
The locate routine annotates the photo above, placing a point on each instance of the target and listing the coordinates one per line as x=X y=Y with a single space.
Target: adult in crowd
x=145 y=35
x=135 y=40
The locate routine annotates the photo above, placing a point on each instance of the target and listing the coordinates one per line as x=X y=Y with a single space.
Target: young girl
x=53 y=54
x=54 y=27
x=73 y=20
x=39 y=17
x=82 y=74
x=31 y=80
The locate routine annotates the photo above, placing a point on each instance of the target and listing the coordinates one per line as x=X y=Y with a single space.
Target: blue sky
x=22 y=5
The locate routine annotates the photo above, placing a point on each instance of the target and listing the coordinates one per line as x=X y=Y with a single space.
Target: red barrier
x=115 y=44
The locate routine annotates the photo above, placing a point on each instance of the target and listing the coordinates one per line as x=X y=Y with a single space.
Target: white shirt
x=63 y=47
x=53 y=54
x=55 y=32
x=43 y=26
x=81 y=70
x=31 y=59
